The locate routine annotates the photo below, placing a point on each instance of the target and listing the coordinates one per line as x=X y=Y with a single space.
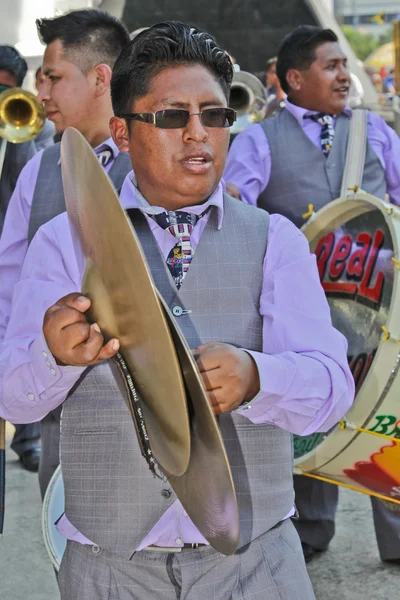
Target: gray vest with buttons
x=110 y=494
x=48 y=197
x=302 y=175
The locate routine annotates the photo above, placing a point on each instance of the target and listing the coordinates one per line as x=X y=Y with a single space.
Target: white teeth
x=196 y=160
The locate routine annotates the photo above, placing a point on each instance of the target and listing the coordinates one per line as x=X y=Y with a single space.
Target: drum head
x=354 y=242
x=53 y=508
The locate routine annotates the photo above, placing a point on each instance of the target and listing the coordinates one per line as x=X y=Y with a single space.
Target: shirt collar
x=131 y=197
x=300 y=113
x=107 y=144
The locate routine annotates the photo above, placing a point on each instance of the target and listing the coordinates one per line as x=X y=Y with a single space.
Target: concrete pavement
x=349 y=570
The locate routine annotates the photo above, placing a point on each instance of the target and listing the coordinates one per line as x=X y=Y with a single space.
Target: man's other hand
x=230 y=375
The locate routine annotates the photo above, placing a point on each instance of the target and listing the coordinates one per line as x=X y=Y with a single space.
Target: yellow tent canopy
x=381 y=57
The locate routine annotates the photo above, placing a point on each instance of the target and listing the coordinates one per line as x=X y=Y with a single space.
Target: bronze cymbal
x=206 y=490
x=124 y=301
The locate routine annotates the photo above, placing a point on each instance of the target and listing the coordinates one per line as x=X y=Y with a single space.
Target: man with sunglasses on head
x=81 y=49
x=270 y=359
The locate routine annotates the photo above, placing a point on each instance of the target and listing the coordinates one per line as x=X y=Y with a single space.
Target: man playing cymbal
x=271 y=361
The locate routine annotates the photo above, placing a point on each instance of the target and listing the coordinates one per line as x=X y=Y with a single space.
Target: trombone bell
x=21 y=116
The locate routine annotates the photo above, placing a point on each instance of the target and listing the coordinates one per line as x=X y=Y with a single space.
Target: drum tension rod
x=310 y=212
x=391 y=209
x=298 y=471
x=396 y=262
x=389 y=336
x=343 y=424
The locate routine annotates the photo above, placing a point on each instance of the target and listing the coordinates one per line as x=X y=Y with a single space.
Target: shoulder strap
x=355 y=153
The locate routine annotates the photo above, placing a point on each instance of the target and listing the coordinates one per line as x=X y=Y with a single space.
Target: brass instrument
x=21 y=116
x=249 y=98
x=21 y=119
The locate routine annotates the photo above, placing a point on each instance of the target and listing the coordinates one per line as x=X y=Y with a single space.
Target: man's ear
x=102 y=76
x=294 y=79
x=119 y=133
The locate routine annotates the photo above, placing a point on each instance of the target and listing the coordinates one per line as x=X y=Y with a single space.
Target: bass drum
x=53 y=508
x=356 y=243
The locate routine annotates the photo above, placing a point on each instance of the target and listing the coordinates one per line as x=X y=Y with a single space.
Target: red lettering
x=359 y=366
x=336 y=262
x=373 y=293
x=355 y=268
x=323 y=252
x=340 y=255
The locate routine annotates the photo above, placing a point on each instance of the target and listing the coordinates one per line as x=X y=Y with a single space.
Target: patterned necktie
x=327 y=130
x=104 y=157
x=180 y=224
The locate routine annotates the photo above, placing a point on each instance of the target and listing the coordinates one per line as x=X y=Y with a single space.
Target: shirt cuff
x=273 y=383
x=48 y=372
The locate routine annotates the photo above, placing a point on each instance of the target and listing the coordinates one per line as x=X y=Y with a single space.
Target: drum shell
x=349 y=456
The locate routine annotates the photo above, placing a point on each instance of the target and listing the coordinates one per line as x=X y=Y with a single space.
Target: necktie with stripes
x=327 y=130
x=180 y=224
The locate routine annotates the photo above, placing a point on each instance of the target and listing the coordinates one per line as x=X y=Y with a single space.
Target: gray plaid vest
x=48 y=197
x=110 y=494
x=302 y=175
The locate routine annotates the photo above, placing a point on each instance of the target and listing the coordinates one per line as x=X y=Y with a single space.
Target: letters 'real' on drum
x=357 y=246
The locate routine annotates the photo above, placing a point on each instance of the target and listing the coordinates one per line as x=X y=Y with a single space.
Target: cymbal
x=206 y=490
x=124 y=301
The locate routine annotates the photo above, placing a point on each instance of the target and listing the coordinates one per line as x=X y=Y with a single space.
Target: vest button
x=166 y=493
x=177 y=311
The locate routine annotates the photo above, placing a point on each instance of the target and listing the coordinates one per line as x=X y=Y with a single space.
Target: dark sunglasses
x=176 y=118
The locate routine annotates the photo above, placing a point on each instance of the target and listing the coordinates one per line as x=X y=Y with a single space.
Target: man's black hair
x=297 y=51
x=12 y=61
x=164 y=45
x=89 y=37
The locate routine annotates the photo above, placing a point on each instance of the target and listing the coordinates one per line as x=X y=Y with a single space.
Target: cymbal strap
x=137 y=414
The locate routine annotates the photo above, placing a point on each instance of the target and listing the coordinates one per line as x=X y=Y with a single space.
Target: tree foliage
x=363 y=44
x=386 y=37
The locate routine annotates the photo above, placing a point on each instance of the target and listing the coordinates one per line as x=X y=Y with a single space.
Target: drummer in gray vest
x=295 y=159
x=128 y=535
x=81 y=49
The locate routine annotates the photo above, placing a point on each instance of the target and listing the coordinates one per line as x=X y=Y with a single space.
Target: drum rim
x=360 y=203
x=57 y=475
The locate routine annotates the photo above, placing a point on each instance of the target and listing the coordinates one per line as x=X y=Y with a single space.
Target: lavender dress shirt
x=14 y=238
x=305 y=382
x=249 y=159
